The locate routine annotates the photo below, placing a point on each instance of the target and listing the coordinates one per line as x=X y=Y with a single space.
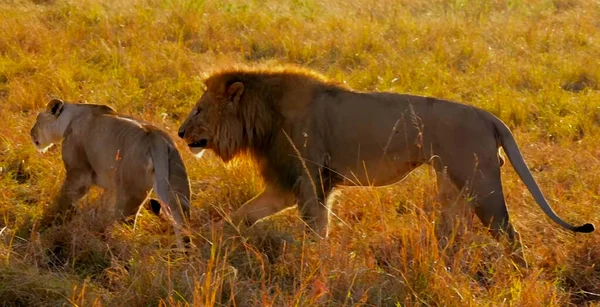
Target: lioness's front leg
x=77 y=182
x=269 y=202
x=75 y=186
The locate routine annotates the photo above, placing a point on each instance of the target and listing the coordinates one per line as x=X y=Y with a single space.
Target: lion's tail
x=507 y=141
x=170 y=177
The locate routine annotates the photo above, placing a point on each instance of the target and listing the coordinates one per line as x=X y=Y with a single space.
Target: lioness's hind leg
x=128 y=203
x=153 y=206
x=179 y=211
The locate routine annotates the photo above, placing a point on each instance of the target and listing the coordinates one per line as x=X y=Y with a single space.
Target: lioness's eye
x=198 y=111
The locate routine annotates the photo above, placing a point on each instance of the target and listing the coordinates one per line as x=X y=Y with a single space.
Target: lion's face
x=198 y=129
x=46 y=130
x=213 y=123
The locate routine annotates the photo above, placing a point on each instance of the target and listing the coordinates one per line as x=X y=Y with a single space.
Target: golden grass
x=533 y=63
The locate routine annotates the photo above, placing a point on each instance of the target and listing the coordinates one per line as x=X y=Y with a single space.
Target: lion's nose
x=181 y=133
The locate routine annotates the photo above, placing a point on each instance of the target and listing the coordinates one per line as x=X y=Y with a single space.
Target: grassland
x=535 y=64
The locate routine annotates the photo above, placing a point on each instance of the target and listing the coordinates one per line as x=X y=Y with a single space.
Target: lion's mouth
x=38 y=146
x=42 y=149
x=199 y=144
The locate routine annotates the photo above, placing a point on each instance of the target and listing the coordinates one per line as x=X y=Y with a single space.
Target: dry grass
x=533 y=63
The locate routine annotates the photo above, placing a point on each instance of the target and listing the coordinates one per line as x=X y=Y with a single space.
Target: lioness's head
x=216 y=121
x=48 y=129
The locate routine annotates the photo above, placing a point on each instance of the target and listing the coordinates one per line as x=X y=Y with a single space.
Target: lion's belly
x=370 y=165
x=379 y=173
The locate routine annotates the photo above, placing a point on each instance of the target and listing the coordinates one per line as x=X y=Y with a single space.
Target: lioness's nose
x=181 y=133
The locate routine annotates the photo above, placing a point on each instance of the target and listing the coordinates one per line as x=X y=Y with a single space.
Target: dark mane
x=255 y=76
x=259 y=113
x=257 y=127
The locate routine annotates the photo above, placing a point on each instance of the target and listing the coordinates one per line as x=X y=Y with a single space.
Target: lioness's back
x=113 y=143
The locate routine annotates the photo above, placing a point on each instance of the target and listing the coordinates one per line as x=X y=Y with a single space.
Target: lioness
x=116 y=153
x=309 y=135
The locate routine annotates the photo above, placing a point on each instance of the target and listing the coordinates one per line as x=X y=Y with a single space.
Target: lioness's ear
x=234 y=92
x=55 y=106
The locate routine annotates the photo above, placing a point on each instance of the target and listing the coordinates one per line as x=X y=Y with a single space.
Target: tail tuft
x=586 y=228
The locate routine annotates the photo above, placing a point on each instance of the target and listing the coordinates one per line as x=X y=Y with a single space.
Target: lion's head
x=49 y=127
x=231 y=117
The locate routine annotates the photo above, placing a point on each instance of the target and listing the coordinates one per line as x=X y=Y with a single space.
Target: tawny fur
x=309 y=135
x=125 y=157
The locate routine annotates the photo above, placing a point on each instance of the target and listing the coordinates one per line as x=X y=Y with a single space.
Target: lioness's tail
x=171 y=182
x=179 y=181
x=507 y=141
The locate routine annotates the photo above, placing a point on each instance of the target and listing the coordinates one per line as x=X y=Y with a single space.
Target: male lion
x=309 y=135
x=116 y=153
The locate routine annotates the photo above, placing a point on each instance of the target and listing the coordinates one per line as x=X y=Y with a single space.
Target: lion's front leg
x=312 y=203
x=269 y=202
x=313 y=190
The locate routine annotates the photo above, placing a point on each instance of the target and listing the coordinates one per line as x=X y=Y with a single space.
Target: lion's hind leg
x=456 y=213
x=484 y=193
x=492 y=212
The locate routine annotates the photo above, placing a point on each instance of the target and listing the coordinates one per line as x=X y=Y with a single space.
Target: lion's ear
x=55 y=106
x=234 y=92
